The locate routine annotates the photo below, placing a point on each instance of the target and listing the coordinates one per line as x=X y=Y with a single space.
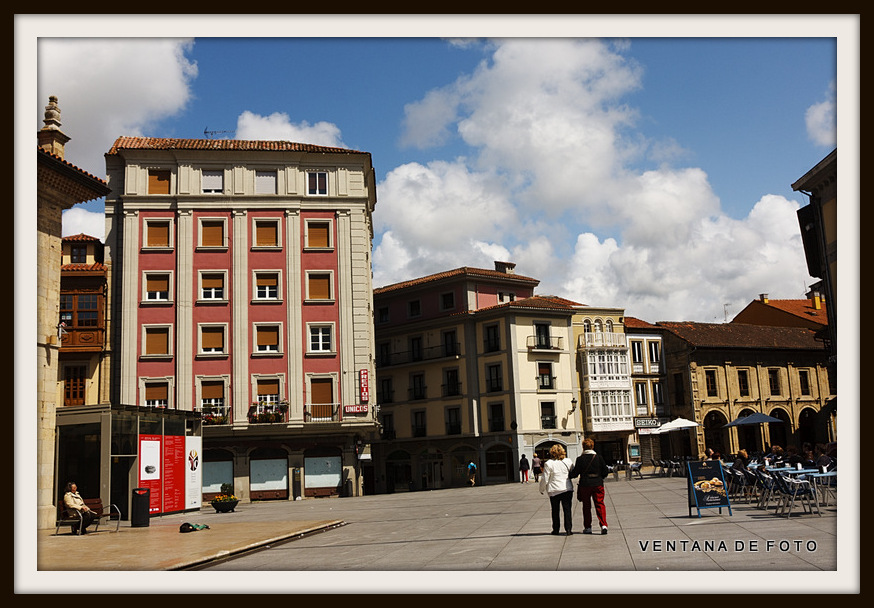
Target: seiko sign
x=647 y=423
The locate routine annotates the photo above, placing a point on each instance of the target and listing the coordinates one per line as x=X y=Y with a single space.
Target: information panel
x=707 y=488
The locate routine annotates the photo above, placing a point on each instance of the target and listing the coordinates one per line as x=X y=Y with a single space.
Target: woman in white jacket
x=555 y=481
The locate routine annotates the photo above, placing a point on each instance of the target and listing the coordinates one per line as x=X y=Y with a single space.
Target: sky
x=629 y=162
x=649 y=174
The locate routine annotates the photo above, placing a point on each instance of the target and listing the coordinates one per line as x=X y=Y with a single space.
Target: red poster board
x=174 y=473
x=151 y=459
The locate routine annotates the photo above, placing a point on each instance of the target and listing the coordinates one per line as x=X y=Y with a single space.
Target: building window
x=710 y=380
x=419 y=424
x=317 y=183
x=266 y=233
x=212 y=339
x=267 y=338
x=382 y=314
x=453 y=421
x=416 y=351
x=657 y=397
x=212 y=402
x=547 y=415
x=159 y=181
x=493 y=339
x=319 y=286
x=156 y=394
x=386 y=391
x=804 y=381
x=496 y=417
x=509 y=297
x=417 y=386
x=743 y=383
x=679 y=389
x=82 y=310
x=541 y=335
x=451 y=383
x=74 y=384
x=211 y=181
x=636 y=351
x=212 y=233
x=265 y=182
x=383 y=356
x=318 y=235
x=321 y=399
x=78 y=253
x=388 y=426
x=447 y=301
x=494 y=383
x=267 y=391
x=212 y=285
x=156 y=341
x=774 y=381
x=157 y=287
x=158 y=234
x=267 y=286
x=321 y=339
x=640 y=397
x=545 y=379
x=654 y=352
x=414 y=308
x=450 y=343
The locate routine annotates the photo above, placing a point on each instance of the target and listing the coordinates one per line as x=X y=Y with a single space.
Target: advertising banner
x=193 y=472
x=150 y=469
x=707 y=487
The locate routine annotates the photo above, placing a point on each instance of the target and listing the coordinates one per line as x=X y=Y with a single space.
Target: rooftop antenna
x=209 y=134
x=725 y=310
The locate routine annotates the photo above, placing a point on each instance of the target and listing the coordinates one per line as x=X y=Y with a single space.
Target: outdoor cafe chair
x=767 y=488
x=792 y=490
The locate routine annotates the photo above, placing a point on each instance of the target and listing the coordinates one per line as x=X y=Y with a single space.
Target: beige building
x=60 y=185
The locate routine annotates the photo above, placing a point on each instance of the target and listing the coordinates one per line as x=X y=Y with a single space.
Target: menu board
x=707 y=487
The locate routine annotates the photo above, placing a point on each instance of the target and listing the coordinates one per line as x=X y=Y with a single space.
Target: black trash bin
x=139 y=508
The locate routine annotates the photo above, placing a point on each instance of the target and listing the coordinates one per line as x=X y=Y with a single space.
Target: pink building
x=240 y=281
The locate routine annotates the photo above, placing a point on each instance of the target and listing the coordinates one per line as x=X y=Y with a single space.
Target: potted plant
x=225 y=502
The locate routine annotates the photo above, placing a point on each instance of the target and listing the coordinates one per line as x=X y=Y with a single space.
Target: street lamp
x=574 y=404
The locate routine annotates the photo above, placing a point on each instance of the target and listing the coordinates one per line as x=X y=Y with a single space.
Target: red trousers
x=587 y=495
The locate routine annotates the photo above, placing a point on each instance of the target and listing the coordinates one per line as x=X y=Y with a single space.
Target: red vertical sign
x=174 y=473
x=363 y=385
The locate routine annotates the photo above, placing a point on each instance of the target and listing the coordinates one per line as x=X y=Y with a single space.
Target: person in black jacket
x=591 y=469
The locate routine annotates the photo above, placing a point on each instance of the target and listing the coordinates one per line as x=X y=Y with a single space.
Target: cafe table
x=823 y=482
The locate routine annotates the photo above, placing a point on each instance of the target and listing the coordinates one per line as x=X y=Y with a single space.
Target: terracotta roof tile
x=741 y=335
x=537 y=302
x=83 y=267
x=81 y=237
x=464 y=271
x=635 y=323
x=166 y=143
x=69 y=165
x=802 y=308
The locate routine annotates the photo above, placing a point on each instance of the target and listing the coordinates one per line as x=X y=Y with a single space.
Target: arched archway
x=807 y=421
x=749 y=436
x=398 y=471
x=715 y=434
x=499 y=463
x=778 y=432
x=430 y=470
x=218 y=469
x=268 y=474
x=323 y=471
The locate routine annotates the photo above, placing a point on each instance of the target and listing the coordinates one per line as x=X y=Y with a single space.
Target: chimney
x=763 y=297
x=50 y=138
x=816 y=301
x=505 y=267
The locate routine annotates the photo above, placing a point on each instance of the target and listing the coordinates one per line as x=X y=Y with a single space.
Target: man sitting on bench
x=75 y=504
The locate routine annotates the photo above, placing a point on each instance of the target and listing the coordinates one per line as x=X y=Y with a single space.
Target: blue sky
x=651 y=174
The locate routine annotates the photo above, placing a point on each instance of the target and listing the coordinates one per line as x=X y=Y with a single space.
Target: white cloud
x=821 y=120
x=81 y=221
x=110 y=87
x=278 y=126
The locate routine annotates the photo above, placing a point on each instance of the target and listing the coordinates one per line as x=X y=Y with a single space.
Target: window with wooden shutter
x=267 y=233
x=156 y=394
x=265 y=182
x=319 y=287
x=157 y=287
x=267 y=286
x=159 y=181
x=321 y=398
x=212 y=339
x=318 y=234
x=212 y=233
x=267 y=339
x=212 y=390
x=157 y=341
x=212 y=286
x=268 y=391
x=158 y=234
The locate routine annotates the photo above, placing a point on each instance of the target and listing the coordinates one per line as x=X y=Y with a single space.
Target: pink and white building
x=240 y=286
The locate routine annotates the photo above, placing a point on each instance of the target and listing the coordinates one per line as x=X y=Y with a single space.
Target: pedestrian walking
x=556 y=482
x=535 y=466
x=471 y=473
x=524 y=467
x=591 y=469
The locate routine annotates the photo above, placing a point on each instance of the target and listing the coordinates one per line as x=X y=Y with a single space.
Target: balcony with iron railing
x=266 y=412
x=432 y=353
x=322 y=412
x=216 y=414
x=417 y=393
x=602 y=340
x=451 y=389
x=453 y=428
x=544 y=342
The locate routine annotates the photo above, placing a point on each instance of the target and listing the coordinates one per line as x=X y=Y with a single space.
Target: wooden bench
x=100 y=513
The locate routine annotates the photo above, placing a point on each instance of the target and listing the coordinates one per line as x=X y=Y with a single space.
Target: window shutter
x=156 y=392
x=265 y=182
x=212 y=281
x=268 y=336
x=159 y=282
x=320 y=287
x=267 y=280
x=317 y=235
x=211 y=181
x=212 y=390
x=157 y=341
x=159 y=182
x=266 y=234
x=212 y=234
x=268 y=387
x=158 y=234
x=212 y=337
x=321 y=390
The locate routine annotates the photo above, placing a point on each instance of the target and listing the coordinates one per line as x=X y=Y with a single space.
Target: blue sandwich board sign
x=707 y=487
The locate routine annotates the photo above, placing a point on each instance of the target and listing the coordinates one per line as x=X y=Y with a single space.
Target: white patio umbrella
x=677 y=425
